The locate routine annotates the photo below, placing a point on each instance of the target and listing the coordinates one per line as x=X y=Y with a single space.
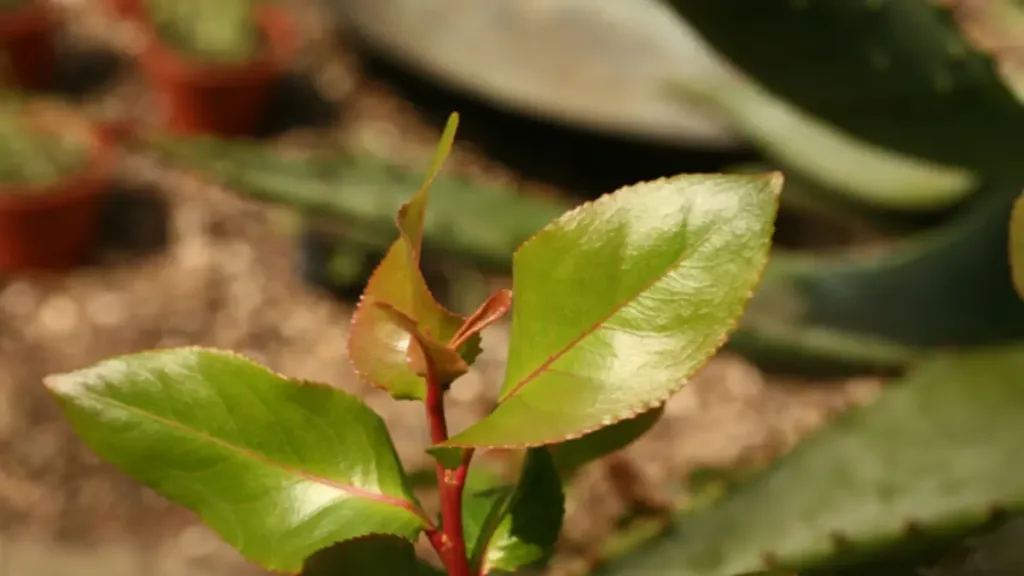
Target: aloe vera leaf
x=900 y=74
x=929 y=460
x=482 y=224
x=857 y=169
x=819 y=312
x=949 y=285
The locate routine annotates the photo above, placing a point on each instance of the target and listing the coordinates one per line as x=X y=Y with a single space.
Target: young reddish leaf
x=571 y=455
x=512 y=528
x=374 y=555
x=619 y=301
x=488 y=313
x=1017 y=245
x=279 y=468
x=377 y=347
x=424 y=352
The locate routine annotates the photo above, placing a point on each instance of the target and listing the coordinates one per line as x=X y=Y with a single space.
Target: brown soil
x=225 y=279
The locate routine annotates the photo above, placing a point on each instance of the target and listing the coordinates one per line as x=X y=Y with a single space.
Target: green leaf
x=619 y=301
x=931 y=459
x=507 y=529
x=377 y=346
x=946 y=285
x=279 y=468
x=857 y=169
x=571 y=455
x=905 y=75
x=470 y=221
x=374 y=555
x=1017 y=245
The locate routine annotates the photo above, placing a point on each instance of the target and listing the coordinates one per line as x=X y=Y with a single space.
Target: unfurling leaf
x=488 y=313
x=930 y=460
x=1017 y=245
x=508 y=528
x=279 y=468
x=571 y=455
x=619 y=301
x=376 y=555
x=377 y=347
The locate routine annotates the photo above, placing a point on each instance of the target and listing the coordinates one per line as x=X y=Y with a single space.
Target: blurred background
x=225 y=173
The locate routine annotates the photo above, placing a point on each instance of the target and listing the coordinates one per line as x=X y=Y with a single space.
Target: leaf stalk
x=448 y=540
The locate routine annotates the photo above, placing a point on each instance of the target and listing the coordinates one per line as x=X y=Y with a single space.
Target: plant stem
x=449 y=542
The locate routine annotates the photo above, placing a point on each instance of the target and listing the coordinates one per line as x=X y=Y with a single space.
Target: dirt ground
x=225 y=277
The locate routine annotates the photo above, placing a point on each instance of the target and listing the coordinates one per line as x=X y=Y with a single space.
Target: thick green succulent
x=935 y=79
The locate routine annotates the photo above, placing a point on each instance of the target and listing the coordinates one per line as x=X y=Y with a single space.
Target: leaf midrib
x=543 y=367
x=259 y=458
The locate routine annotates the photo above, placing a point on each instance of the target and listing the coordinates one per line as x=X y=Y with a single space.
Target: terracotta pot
x=27 y=35
x=54 y=227
x=227 y=99
x=127 y=9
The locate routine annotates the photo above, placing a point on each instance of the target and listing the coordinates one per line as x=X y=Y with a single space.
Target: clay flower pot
x=128 y=9
x=27 y=35
x=196 y=96
x=54 y=226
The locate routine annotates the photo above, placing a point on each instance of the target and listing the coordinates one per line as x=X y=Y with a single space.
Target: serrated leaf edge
x=775 y=181
x=363 y=298
x=54 y=382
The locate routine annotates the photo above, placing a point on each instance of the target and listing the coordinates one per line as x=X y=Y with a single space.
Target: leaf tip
x=776 y=180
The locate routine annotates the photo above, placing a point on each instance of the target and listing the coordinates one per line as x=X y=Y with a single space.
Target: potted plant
x=27 y=30
x=211 y=64
x=53 y=164
x=127 y=9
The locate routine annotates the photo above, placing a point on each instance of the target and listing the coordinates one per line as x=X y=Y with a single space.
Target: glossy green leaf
x=619 y=301
x=375 y=555
x=279 y=468
x=1017 y=245
x=377 y=346
x=933 y=457
x=508 y=528
x=573 y=454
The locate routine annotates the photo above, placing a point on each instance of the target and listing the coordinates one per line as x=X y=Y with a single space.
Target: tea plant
x=617 y=303
x=222 y=31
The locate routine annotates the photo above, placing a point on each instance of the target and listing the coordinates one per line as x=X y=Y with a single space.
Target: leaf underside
x=939 y=452
x=619 y=301
x=279 y=468
x=375 y=555
x=514 y=527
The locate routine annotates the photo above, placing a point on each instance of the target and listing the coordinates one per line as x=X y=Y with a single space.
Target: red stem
x=449 y=540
